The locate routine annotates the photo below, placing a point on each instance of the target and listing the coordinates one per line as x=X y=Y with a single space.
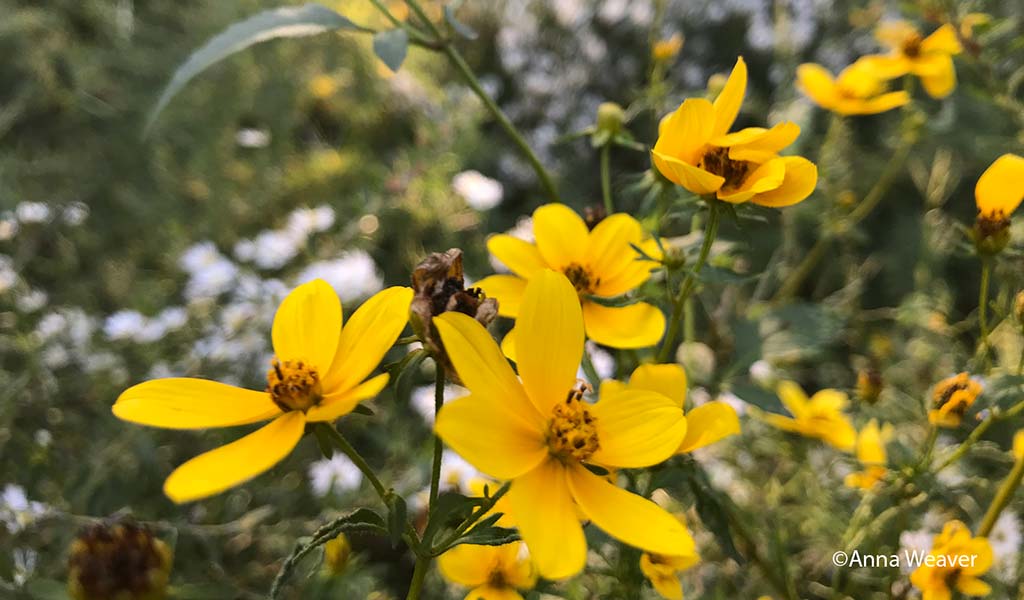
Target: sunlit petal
x=307 y=325
x=185 y=403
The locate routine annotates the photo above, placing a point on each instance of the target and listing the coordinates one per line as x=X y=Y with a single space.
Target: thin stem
x=679 y=302
x=589 y=369
x=606 y=178
x=357 y=459
x=467 y=73
x=419 y=574
x=1003 y=497
x=986 y=274
x=979 y=431
x=435 y=471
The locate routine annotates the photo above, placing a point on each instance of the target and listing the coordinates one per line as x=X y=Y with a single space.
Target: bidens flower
x=998 y=193
x=539 y=433
x=871 y=454
x=951 y=398
x=705 y=424
x=598 y=263
x=663 y=572
x=929 y=58
x=856 y=91
x=493 y=572
x=118 y=559
x=317 y=375
x=954 y=563
x=696 y=150
x=819 y=417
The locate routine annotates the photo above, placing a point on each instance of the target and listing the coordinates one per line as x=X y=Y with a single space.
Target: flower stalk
x=1003 y=497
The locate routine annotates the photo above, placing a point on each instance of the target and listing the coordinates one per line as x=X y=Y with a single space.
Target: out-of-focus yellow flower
x=970 y=21
x=1018 y=445
x=317 y=375
x=869 y=385
x=706 y=424
x=819 y=417
x=336 y=554
x=998 y=193
x=323 y=87
x=663 y=572
x=667 y=49
x=599 y=263
x=929 y=58
x=696 y=150
x=493 y=572
x=537 y=432
x=119 y=559
x=856 y=91
x=871 y=454
x=955 y=562
x=951 y=398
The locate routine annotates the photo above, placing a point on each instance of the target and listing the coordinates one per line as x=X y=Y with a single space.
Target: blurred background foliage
x=176 y=229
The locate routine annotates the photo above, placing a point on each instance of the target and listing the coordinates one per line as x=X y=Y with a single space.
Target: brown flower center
x=294 y=385
x=572 y=430
x=716 y=160
x=912 y=45
x=581 y=279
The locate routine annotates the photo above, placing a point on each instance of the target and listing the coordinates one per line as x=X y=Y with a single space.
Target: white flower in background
x=8 y=229
x=211 y=280
x=199 y=256
x=353 y=275
x=250 y=137
x=456 y=473
x=602 y=360
x=43 y=438
x=1005 y=539
x=422 y=399
x=31 y=301
x=51 y=325
x=8 y=276
x=169 y=319
x=478 y=190
x=75 y=214
x=56 y=357
x=273 y=249
x=305 y=221
x=16 y=510
x=32 y=212
x=335 y=474
x=737 y=403
x=123 y=325
x=918 y=541
x=763 y=373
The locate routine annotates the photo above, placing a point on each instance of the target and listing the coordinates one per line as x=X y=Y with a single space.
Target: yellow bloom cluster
x=955 y=562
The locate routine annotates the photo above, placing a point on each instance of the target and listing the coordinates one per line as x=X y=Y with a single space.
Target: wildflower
x=667 y=49
x=705 y=424
x=869 y=385
x=929 y=58
x=337 y=553
x=871 y=454
x=856 y=91
x=969 y=22
x=353 y=275
x=938 y=577
x=951 y=398
x=663 y=572
x=819 y=417
x=317 y=375
x=600 y=263
x=121 y=560
x=1018 y=445
x=538 y=433
x=997 y=194
x=493 y=572
x=696 y=150
x=478 y=190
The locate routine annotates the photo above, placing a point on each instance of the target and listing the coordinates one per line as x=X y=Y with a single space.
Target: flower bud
x=610 y=118
x=118 y=559
x=667 y=49
x=991 y=235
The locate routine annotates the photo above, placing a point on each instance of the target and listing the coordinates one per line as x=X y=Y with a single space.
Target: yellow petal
x=495 y=439
x=508 y=345
x=1018 y=445
x=669 y=588
x=185 y=403
x=637 y=429
x=793 y=398
x=972 y=586
x=608 y=248
x=817 y=83
x=765 y=178
x=870 y=448
x=839 y=433
x=693 y=178
x=342 y=403
x=943 y=40
x=873 y=106
x=481 y=366
x=709 y=423
x=467 y=565
x=627 y=517
x=636 y=325
x=549 y=339
x=668 y=380
x=367 y=337
x=728 y=103
x=1001 y=187
x=895 y=33
x=937 y=73
x=520 y=256
x=880 y=67
x=561 y=235
x=799 y=182
x=307 y=325
x=237 y=462
x=683 y=134
x=551 y=529
x=745 y=143
x=492 y=592
x=507 y=290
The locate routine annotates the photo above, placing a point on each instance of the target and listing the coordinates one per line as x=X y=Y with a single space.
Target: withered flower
x=118 y=559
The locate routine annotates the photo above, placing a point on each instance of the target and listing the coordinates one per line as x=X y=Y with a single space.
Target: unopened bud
x=610 y=118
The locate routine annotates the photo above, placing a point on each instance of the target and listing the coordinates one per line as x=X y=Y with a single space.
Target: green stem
x=415 y=34
x=679 y=302
x=435 y=471
x=419 y=574
x=606 y=178
x=986 y=274
x=997 y=415
x=467 y=73
x=1003 y=497
x=357 y=459
x=590 y=370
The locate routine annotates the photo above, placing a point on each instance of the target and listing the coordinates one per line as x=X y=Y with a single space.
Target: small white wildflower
x=763 y=373
x=75 y=214
x=16 y=510
x=31 y=301
x=123 y=325
x=199 y=256
x=32 y=212
x=1005 y=538
x=335 y=474
x=249 y=137
x=274 y=249
x=456 y=473
x=479 y=191
x=212 y=280
x=304 y=221
x=353 y=276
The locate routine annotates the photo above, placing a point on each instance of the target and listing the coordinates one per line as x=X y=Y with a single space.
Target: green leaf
x=713 y=514
x=489 y=535
x=362 y=409
x=397 y=514
x=613 y=301
x=323 y=441
x=290 y=22
x=404 y=371
x=461 y=28
x=718 y=275
x=391 y=47
x=449 y=510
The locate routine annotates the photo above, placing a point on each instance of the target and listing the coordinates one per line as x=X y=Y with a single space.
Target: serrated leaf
x=461 y=28
x=391 y=47
x=448 y=510
x=397 y=514
x=289 y=22
x=489 y=536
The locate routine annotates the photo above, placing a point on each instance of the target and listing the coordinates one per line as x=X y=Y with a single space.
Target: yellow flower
x=705 y=424
x=337 y=552
x=957 y=561
x=667 y=49
x=951 y=398
x=1018 y=445
x=493 y=572
x=317 y=375
x=118 y=559
x=599 y=263
x=323 y=87
x=537 y=432
x=999 y=191
x=929 y=58
x=970 y=21
x=696 y=150
x=819 y=417
x=871 y=453
x=663 y=572
x=856 y=91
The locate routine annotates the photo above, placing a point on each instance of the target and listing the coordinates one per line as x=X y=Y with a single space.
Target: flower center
x=572 y=430
x=912 y=45
x=717 y=161
x=993 y=222
x=581 y=279
x=293 y=385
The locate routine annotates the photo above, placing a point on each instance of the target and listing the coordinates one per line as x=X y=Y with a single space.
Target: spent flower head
x=951 y=399
x=118 y=559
